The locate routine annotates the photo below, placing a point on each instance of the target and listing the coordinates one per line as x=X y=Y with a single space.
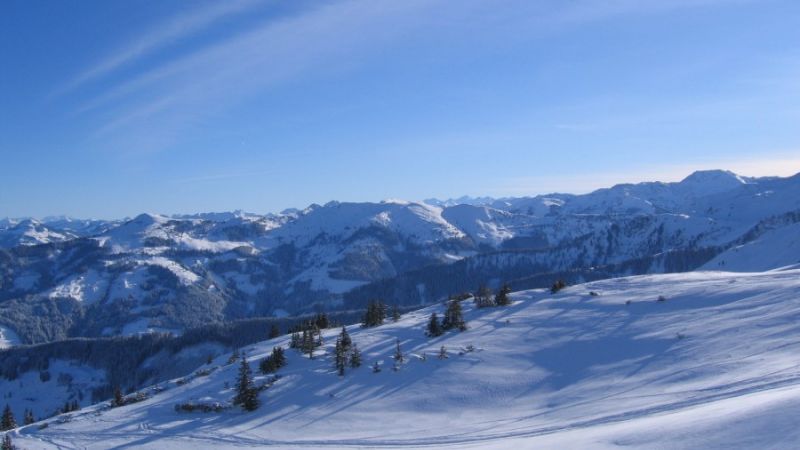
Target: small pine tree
x=398 y=353
x=443 y=353
x=483 y=298
x=279 y=356
x=274 y=331
x=246 y=392
x=434 y=329
x=395 y=313
x=234 y=356
x=453 y=317
x=29 y=419
x=319 y=341
x=296 y=340
x=502 y=298
x=375 y=314
x=345 y=338
x=340 y=357
x=557 y=286
x=8 y=421
x=7 y=444
x=355 y=357
x=119 y=399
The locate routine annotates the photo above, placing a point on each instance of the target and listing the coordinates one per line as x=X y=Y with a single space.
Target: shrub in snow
x=201 y=407
x=483 y=297
x=557 y=286
x=502 y=298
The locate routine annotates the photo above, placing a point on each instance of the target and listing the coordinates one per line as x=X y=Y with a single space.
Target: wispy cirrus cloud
x=160 y=36
x=170 y=98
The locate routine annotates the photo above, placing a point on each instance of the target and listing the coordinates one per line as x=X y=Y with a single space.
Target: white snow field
x=714 y=365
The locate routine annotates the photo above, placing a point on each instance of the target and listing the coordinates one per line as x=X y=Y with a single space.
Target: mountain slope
x=574 y=369
x=156 y=272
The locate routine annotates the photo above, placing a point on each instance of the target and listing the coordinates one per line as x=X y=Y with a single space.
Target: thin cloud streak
x=211 y=80
x=165 y=34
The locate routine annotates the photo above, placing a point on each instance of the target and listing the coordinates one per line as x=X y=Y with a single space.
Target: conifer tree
x=443 y=353
x=119 y=399
x=340 y=357
x=246 y=392
x=375 y=314
x=355 y=357
x=308 y=343
x=29 y=419
x=7 y=422
x=453 y=317
x=274 y=331
x=395 y=313
x=295 y=342
x=557 y=286
x=398 y=354
x=319 y=341
x=7 y=444
x=502 y=298
x=434 y=329
x=234 y=356
x=345 y=338
x=483 y=298
x=279 y=356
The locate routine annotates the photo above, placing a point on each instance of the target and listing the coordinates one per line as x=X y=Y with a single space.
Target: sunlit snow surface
x=716 y=364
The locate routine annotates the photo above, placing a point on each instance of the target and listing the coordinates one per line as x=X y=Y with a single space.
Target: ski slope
x=716 y=364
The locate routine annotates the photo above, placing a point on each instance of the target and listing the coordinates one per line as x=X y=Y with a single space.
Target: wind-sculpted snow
x=685 y=361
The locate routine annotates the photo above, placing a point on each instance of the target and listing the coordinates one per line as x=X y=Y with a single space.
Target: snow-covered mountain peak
x=706 y=182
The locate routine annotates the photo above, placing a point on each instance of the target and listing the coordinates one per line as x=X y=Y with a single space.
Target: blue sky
x=110 y=108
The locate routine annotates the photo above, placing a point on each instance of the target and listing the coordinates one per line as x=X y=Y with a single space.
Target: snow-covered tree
x=443 y=353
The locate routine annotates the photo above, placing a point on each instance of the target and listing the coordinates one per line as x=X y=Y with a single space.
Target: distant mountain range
x=63 y=277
